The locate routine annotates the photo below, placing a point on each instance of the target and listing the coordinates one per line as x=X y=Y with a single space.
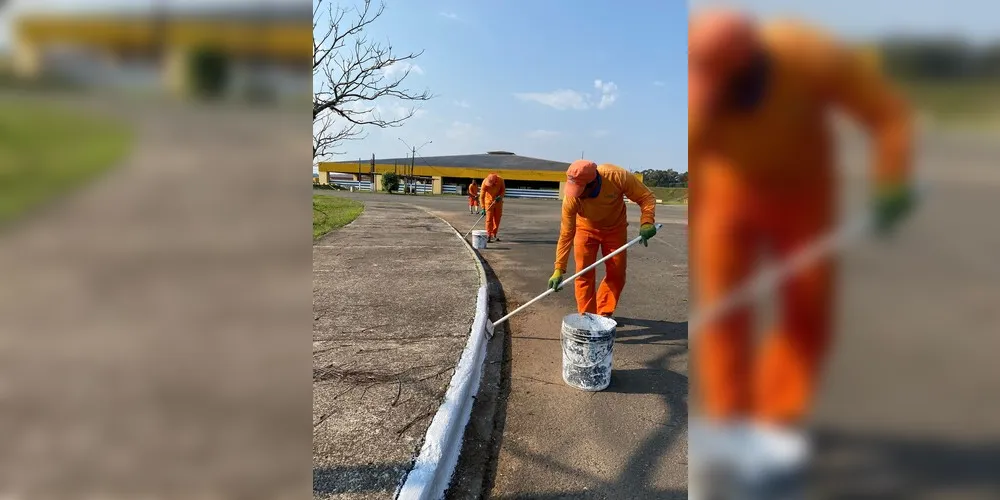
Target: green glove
x=891 y=205
x=647 y=231
x=555 y=280
x=482 y=212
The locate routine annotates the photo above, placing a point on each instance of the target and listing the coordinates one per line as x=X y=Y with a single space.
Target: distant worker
x=594 y=219
x=491 y=203
x=473 y=197
x=762 y=175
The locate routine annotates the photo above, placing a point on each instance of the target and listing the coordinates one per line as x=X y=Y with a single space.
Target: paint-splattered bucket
x=479 y=238
x=587 y=342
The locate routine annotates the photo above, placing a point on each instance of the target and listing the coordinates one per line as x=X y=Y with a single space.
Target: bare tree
x=352 y=74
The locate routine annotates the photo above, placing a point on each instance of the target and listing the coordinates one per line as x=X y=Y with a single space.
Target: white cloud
x=449 y=15
x=542 y=134
x=398 y=69
x=658 y=83
x=462 y=104
x=601 y=133
x=565 y=99
x=609 y=93
x=558 y=99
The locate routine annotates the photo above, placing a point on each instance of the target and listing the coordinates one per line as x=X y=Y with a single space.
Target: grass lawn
x=331 y=212
x=962 y=103
x=671 y=196
x=46 y=150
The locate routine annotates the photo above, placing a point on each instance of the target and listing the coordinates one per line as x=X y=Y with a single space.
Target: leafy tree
x=390 y=182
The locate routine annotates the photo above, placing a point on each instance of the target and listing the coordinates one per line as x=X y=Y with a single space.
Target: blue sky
x=974 y=19
x=544 y=79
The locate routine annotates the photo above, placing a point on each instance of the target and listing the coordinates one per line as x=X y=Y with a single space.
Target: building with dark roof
x=266 y=46
x=523 y=176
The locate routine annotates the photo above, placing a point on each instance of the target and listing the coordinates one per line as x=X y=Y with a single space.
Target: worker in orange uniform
x=491 y=203
x=594 y=219
x=762 y=174
x=473 y=197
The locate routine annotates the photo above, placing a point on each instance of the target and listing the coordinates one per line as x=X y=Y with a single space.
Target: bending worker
x=473 y=197
x=762 y=174
x=491 y=203
x=594 y=219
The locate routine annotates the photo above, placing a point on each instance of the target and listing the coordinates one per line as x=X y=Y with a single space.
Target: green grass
x=963 y=103
x=671 y=196
x=331 y=212
x=46 y=151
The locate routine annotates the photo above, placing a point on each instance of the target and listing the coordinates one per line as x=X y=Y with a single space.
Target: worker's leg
x=491 y=222
x=614 y=272
x=496 y=218
x=585 y=247
x=791 y=357
x=721 y=255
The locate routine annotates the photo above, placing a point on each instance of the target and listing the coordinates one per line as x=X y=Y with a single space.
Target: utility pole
x=413 y=156
x=413 y=159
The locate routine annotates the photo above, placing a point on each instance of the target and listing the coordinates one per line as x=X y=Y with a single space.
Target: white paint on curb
x=435 y=464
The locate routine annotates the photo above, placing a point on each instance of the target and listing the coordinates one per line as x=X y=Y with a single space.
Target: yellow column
x=378 y=182
x=436 y=185
x=27 y=60
x=175 y=71
x=562 y=189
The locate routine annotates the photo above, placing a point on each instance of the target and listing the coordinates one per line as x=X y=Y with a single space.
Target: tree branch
x=353 y=75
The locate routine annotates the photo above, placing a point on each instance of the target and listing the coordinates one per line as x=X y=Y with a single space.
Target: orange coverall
x=765 y=178
x=494 y=208
x=473 y=194
x=601 y=224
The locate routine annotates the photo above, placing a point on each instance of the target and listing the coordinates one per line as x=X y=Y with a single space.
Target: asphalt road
x=908 y=408
x=629 y=441
x=910 y=403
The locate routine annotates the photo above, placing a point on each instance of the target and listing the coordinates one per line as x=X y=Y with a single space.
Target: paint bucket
x=587 y=342
x=479 y=239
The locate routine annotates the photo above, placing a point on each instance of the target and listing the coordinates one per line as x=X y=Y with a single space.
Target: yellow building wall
x=281 y=40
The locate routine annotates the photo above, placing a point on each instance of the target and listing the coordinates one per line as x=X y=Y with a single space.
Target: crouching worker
x=594 y=219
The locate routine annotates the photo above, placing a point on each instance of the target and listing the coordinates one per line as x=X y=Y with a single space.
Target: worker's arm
x=638 y=193
x=861 y=90
x=567 y=231
x=482 y=198
x=503 y=188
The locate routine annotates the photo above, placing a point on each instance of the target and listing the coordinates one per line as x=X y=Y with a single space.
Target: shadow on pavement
x=646 y=381
x=853 y=465
x=637 y=474
x=371 y=478
x=667 y=494
x=643 y=331
x=475 y=473
x=550 y=241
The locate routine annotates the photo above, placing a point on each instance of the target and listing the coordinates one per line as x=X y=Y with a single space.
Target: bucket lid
x=590 y=325
x=479 y=231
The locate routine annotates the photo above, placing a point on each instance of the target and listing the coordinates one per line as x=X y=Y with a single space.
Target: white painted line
x=435 y=464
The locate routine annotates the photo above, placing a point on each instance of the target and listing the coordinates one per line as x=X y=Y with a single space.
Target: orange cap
x=720 y=42
x=490 y=180
x=578 y=175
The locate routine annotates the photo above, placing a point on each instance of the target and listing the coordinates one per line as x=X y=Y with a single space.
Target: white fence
x=367 y=186
x=548 y=194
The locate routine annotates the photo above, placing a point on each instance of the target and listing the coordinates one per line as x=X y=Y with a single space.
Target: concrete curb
x=435 y=464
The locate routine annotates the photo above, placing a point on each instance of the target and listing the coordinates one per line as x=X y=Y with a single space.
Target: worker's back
x=785 y=139
x=607 y=210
